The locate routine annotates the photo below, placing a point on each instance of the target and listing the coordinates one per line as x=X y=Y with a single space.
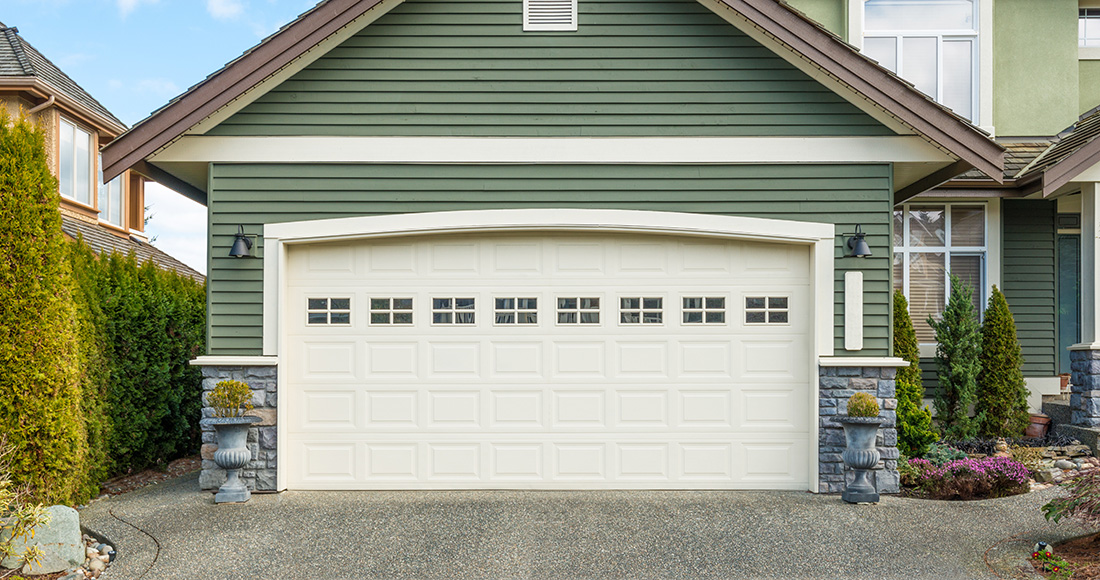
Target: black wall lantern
x=858 y=245
x=242 y=245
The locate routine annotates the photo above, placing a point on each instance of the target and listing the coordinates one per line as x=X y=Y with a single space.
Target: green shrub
x=914 y=422
x=40 y=398
x=1030 y=457
x=1081 y=502
x=862 y=405
x=940 y=454
x=957 y=363
x=21 y=516
x=230 y=399
x=94 y=364
x=1001 y=396
x=906 y=346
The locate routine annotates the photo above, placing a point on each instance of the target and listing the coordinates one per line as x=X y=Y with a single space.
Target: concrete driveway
x=172 y=530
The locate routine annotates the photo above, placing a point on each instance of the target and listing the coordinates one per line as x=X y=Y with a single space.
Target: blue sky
x=135 y=55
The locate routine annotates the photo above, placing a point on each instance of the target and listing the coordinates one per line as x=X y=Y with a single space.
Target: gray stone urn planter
x=861 y=455
x=232 y=455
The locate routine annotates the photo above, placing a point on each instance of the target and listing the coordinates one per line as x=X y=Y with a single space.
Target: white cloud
x=127 y=6
x=224 y=9
x=178 y=224
x=158 y=86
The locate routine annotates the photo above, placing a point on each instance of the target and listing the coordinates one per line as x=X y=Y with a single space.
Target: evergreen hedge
x=40 y=390
x=1002 y=396
x=94 y=350
x=957 y=362
x=914 y=422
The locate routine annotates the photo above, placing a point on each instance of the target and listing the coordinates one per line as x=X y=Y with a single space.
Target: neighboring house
x=508 y=244
x=108 y=215
x=1029 y=74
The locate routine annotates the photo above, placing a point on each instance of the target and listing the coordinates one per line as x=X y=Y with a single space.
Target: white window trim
x=93 y=187
x=104 y=201
x=856 y=30
x=993 y=252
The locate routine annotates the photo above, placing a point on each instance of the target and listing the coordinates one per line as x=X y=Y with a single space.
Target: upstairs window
x=1088 y=27
x=75 y=163
x=110 y=199
x=930 y=43
x=931 y=241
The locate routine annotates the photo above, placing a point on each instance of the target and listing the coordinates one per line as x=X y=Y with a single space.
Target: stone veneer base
x=1084 y=399
x=259 y=473
x=836 y=386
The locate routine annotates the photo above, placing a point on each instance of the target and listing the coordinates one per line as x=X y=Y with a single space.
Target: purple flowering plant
x=963 y=479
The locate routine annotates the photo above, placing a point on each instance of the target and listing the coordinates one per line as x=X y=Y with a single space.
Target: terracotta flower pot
x=1039 y=426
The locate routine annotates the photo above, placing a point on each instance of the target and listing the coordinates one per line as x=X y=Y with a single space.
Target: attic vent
x=549 y=14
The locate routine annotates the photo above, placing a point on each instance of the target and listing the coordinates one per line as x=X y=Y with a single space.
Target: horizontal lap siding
x=252 y=195
x=1028 y=281
x=633 y=68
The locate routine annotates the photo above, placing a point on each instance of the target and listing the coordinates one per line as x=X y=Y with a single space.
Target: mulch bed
x=1084 y=555
x=125 y=483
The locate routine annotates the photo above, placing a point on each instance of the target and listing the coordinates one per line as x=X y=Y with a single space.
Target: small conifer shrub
x=862 y=405
x=230 y=399
x=957 y=362
x=1001 y=396
x=914 y=422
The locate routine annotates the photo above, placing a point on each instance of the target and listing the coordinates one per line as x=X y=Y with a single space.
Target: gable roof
x=1073 y=151
x=800 y=40
x=19 y=61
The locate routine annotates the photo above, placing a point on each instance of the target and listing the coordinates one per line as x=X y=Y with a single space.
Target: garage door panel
x=496 y=404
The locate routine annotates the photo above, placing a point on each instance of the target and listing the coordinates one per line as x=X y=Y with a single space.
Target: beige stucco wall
x=45 y=119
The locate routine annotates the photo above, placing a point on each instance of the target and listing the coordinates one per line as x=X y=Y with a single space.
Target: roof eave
x=46 y=89
x=837 y=59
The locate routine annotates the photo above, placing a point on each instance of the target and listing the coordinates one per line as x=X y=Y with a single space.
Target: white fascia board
x=235 y=361
x=309 y=57
x=593 y=220
x=862 y=361
x=595 y=150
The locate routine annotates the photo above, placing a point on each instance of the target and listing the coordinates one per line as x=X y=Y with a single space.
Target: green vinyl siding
x=1028 y=280
x=633 y=68
x=253 y=195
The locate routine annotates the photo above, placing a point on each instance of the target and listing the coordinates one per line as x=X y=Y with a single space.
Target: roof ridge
x=16 y=43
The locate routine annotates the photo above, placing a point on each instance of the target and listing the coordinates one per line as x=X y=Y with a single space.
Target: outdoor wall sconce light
x=242 y=245
x=858 y=245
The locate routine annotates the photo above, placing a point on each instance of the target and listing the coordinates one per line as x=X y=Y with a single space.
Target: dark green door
x=1069 y=296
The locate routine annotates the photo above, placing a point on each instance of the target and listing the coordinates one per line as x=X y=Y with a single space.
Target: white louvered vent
x=549 y=14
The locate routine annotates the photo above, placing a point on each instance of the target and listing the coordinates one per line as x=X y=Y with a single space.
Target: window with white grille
x=549 y=15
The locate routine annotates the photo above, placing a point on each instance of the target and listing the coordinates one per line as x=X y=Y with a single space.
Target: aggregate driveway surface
x=172 y=530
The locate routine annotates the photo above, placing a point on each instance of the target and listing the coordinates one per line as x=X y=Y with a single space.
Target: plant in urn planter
x=231 y=400
x=860 y=429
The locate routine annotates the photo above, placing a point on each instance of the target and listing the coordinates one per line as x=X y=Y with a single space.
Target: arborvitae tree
x=95 y=365
x=957 y=362
x=1002 y=396
x=914 y=421
x=40 y=408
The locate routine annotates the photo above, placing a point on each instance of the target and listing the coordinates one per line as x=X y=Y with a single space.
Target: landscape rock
x=59 y=541
x=1064 y=464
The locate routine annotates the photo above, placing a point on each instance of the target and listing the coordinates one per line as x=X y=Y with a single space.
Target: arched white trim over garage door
x=366 y=404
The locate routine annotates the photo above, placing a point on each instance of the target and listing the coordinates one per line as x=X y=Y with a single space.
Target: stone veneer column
x=1084 y=400
x=259 y=474
x=837 y=385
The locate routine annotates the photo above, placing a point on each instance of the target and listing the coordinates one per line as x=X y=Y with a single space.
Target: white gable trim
x=602 y=150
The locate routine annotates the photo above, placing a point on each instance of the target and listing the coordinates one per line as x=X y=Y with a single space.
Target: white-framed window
x=932 y=240
x=516 y=311
x=704 y=309
x=550 y=15
x=74 y=152
x=1088 y=27
x=930 y=43
x=391 y=310
x=454 y=311
x=641 y=310
x=578 y=310
x=767 y=310
x=328 y=311
x=110 y=198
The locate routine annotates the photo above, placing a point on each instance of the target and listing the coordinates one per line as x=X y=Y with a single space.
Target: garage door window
x=641 y=310
x=704 y=310
x=516 y=311
x=328 y=311
x=578 y=310
x=391 y=311
x=453 y=311
x=766 y=310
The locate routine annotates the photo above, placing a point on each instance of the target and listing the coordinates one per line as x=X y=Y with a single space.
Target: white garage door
x=547 y=361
